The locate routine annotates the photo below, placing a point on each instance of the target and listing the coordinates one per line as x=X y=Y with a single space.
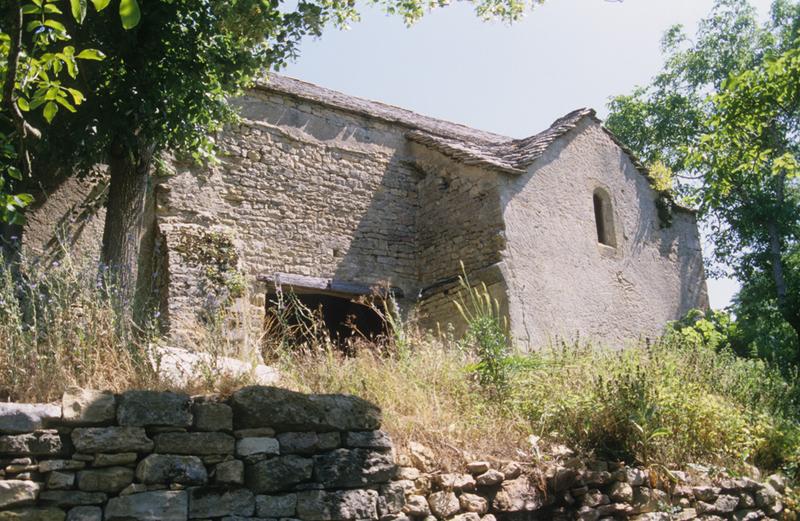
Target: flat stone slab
x=286 y=410
x=205 y=502
x=277 y=474
x=368 y=440
x=88 y=407
x=169 y=468
x=111 y=439
x=42 y=443
x=108 y=479
x=19 y=418
x=199 y=443
x=154 y=408
x=344 y=468
x=32 y=514
x=345 y=505
x=161 y=505
x=284 y=505
x=261 y=445
x=71 y=498
x=212 y=416
x=16 y=492
x=85 y=514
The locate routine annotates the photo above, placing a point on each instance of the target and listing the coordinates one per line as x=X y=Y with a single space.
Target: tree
x=721 y=119
x=37 y=56
x=165 y=85
x=749 y=157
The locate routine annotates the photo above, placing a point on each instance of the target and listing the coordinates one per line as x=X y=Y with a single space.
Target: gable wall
x=562 y=283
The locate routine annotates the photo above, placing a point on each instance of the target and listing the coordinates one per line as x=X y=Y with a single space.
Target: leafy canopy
x=722 y=120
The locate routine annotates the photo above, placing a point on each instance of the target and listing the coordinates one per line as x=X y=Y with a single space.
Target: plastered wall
x=562 y=283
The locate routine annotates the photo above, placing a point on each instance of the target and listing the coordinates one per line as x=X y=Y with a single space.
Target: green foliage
x=668 y=403
x=44 y=69
x=724 y=117
x=486 y=334
x=750 y=159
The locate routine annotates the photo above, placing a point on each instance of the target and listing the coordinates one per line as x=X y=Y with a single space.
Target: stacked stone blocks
x=269 y=454
x=265 y=453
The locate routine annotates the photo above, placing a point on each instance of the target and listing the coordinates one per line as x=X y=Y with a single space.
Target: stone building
x=330 y=195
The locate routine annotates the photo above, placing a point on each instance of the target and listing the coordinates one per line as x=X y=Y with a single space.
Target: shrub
x=669 y=403
x=486 y=336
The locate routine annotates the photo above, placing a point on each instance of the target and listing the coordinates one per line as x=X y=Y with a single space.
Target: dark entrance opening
x=342 y=316
x=300 y=306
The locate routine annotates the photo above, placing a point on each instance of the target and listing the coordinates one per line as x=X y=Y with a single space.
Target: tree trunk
x=792 y=316
x=128 y=233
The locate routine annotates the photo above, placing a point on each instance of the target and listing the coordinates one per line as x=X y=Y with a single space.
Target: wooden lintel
x=305 y=284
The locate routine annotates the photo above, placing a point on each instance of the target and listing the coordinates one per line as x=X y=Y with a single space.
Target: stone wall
x=144 y=455
x=300 y=189
x=269 y=454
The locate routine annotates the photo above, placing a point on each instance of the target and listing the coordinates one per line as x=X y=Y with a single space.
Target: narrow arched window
x=604 y=218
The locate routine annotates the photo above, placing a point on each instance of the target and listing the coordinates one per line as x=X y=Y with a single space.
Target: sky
x=510 y=79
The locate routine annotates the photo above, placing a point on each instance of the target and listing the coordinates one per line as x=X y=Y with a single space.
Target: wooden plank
x=306 y=284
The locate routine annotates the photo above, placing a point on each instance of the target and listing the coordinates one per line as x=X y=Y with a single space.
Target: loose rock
x=443 y=504
x=518 y=495
x=490 y=478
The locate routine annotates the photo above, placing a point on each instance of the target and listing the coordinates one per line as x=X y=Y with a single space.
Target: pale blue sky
x=514 y=80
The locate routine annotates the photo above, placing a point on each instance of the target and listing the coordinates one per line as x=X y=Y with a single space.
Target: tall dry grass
x=59 y=326
x=663 y=404
x=427 y=393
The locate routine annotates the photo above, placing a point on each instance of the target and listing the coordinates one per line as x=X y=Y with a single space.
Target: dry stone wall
x=265 y=453
x=269 y=454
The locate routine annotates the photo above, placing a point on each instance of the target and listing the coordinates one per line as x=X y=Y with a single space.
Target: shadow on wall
x=67 y=217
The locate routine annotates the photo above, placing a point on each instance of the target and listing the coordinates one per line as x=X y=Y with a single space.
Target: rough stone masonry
x=323 y=193
x=269 y=454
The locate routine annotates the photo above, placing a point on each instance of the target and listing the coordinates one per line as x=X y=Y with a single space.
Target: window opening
x=604 y=218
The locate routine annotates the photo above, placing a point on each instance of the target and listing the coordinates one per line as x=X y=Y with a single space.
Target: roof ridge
x=376 y=109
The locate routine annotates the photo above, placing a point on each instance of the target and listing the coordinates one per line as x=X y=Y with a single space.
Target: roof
x=308 y=91
x=459 y=142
